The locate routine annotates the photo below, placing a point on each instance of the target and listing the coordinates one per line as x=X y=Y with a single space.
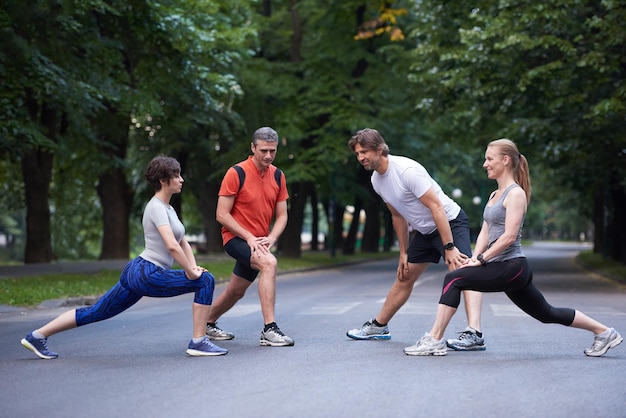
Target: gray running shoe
x=468 y=341
x=369 y=331
x=602 y=344
x=274 y=337
x=216 y=334
x=427 y=346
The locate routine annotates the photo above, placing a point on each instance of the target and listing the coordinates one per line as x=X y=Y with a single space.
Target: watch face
x=449 y=246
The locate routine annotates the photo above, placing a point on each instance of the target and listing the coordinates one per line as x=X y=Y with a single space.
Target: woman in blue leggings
x=500 y=265
x=150 y=274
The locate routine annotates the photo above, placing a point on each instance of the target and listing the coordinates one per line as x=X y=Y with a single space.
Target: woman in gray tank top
x=500 y=264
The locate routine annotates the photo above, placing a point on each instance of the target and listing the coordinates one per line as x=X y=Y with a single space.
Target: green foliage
x=317 y=85
x=172 y=72
x=539 y=73
x=193 y=79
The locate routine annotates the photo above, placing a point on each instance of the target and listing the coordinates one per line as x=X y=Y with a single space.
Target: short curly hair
x=160 y=168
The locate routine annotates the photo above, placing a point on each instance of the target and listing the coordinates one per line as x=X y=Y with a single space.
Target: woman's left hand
x=471 y=262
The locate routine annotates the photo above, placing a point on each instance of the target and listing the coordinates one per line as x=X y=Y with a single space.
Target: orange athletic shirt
x=255 y=202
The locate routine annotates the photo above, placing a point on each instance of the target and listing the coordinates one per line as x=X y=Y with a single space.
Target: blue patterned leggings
x=142 y=278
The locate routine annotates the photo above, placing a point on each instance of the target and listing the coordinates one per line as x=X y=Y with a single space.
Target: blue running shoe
x=205 y=348
x=39 y=347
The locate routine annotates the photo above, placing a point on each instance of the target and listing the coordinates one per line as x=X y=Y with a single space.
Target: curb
x=72 y=302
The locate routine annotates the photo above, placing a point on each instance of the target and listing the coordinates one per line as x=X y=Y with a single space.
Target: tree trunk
x=114 y=191
x=336 y=232
x=37 y=173
x=390 y=234
x=598 y=222
x=618 y=229
x=349 y=245
x=315 y=220
x=290 y=242
x=371 y=230
x=207 y=200
x=115 y=197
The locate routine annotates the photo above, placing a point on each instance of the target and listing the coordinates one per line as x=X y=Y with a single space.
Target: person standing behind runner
x=500 y=265
x=150 y=273
x=441 y=230
x=245 y=212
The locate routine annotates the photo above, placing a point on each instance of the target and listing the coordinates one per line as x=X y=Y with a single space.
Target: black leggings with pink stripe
x=515 y=279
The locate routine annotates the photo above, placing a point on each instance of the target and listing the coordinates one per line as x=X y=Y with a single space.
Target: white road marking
x=330 y=309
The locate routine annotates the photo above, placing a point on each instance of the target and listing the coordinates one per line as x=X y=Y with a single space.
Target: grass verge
x=33 y=290
x=603 y=266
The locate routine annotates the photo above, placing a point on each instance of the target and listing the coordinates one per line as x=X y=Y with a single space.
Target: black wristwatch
x=480 y=258
x=448 y=246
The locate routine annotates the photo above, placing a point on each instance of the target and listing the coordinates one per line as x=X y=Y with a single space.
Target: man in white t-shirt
x=441 y=228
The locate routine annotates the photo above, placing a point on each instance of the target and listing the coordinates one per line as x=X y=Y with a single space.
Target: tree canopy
x=92 y=89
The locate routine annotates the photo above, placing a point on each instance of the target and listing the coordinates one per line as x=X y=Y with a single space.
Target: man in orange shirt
x=245 y=210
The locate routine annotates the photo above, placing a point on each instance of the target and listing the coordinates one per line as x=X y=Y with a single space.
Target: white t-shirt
x=404 y=182
x=155 y=215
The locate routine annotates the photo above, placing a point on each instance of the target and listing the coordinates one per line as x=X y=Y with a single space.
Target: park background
x=91 y=90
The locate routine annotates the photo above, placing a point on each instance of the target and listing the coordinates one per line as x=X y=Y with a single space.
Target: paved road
x=134 y=365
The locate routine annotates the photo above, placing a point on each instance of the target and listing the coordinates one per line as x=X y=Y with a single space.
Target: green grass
x=33 y=290
x=604 y=266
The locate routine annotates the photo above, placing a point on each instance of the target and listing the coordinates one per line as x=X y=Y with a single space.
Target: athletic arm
x=280 y=222
x=226 y=219
x=401 y=228
x=180 y=251
x=454 y=258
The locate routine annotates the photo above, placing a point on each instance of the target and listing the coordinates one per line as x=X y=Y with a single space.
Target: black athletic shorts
x=428 y=248
x=240 y=251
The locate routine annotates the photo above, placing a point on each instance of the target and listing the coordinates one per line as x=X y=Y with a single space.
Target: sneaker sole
x=212 y=338
x=32 y=348
x=267 y=343
x=370 y=337
x=613 y=344
x=427 y=353
x=459 y=348
x=198 y=353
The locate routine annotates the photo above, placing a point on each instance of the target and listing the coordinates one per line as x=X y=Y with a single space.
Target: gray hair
x=265 y=134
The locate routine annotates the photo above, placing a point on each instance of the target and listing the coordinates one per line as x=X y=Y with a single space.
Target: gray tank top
x=495 y=216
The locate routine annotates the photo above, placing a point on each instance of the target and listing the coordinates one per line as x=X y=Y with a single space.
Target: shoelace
x=277 y=331
x=465 y=335
x=427 y=340
x=206 y=342
x=44 y=343
x=597 y=343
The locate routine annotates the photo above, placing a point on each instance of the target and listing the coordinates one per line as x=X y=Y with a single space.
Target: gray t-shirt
x=157 y=214
x=495 y=216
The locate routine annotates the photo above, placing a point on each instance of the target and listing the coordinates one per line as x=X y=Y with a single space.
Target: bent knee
x=408 y=280
x=264 y=262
